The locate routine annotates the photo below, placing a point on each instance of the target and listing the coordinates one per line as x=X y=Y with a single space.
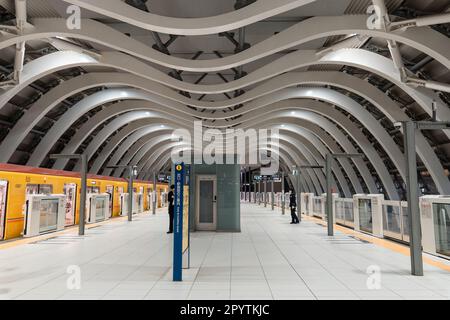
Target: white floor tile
x=269 y=259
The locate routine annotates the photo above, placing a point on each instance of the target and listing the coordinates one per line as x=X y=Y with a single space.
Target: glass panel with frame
x=392 y=219
x=339 y=210
x=365 y=215
x=348 y=209
x=317 y=206
x=441 y=213
x=48 y=215
x=405 y=223
x=100 y=207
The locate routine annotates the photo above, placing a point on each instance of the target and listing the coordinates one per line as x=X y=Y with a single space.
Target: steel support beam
x=283 y=199
x=265 y=192
x=415 y=242
x=410 y=129
x=272 y=193
x=259 y=192
x=154 y=195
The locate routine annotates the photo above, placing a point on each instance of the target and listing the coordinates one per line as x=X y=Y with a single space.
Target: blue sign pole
x=178 y=223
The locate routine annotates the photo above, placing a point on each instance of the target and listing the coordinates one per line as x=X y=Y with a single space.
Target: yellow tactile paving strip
x=397 y=247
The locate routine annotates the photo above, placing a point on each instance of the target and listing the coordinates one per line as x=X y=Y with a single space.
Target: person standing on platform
x=171 y=198
x=293 y=206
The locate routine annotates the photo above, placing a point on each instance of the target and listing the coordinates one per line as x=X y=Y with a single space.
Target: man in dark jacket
x=171 y=198
x=293 y=206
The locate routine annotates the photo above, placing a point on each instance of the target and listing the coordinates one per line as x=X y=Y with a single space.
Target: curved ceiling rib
x=324 y=94
x=299 y=132
x=424 y=39
x=255 y=12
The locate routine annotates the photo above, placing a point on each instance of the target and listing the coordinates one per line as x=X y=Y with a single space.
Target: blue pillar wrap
x=178 y=223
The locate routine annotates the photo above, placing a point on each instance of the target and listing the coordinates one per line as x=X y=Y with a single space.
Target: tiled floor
x=270 y=259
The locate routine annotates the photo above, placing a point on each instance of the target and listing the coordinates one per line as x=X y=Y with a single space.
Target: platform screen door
x=442 y=227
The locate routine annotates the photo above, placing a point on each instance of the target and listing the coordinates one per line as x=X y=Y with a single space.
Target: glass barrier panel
x=339 y=210
x=348 y=209
x=317 y=206
x=48 y=215
x=405 y=221
x=365 y=215
x=391 y=221
x=100 y=206
x=442 y=227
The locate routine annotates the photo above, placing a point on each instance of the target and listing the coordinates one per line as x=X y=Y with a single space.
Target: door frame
x=205 y=226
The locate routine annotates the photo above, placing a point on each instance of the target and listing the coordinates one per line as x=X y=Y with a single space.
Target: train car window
x=32 y=189
x=39 y=189
x=95 y=190
x=45 y=189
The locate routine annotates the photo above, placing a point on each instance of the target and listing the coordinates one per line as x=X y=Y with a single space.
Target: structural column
x=299 y=196
x=329 y=204
x=283 y=199
x=82 y=211
x=413 y=194
x=154 y=200
x=272 y=193
x=265 y=192
x=259 y=192
x=130 y=192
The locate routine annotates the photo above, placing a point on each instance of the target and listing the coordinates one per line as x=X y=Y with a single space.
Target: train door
x=3 y=195
x=70 y=191
x=110 y=191
x=442 y=228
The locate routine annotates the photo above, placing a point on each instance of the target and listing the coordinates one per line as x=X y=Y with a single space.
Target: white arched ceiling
x=113 y=94
x=424 y=39
x=123 y=106
x=255 y=12
x=143 y=149
x=119 y=153
x=155 y=101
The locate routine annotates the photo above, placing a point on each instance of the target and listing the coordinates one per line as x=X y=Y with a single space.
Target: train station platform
x=269 y=259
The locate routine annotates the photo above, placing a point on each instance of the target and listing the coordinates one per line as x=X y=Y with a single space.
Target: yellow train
x=19 y=184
